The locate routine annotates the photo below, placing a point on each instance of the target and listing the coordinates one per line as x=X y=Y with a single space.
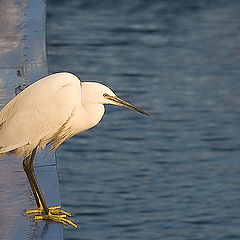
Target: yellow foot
x=56 y=214
x=57 y=218
x=52 y=210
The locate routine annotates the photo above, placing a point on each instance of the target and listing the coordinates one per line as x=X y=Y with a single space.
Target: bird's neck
x=94 y=114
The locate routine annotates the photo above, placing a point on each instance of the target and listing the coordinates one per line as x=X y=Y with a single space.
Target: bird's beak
x=118 y=101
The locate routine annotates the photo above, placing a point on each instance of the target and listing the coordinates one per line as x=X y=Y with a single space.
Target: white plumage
x=52 y=110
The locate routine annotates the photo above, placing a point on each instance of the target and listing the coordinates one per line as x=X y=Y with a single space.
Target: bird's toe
x=60 y=218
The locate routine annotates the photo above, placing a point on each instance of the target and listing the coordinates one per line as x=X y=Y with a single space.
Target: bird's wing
x=38 y=112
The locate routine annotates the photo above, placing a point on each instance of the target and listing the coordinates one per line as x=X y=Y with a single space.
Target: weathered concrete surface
x=23 y=61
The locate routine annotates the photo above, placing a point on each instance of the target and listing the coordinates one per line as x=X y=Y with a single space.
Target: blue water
x=175 y=175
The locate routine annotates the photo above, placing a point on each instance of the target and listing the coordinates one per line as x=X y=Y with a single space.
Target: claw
x=59 y=210
x=56 y=214
x=57 y=218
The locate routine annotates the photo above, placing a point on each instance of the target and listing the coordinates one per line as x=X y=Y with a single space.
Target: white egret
x=50 y=111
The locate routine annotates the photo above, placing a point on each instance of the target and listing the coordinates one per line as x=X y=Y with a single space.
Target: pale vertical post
x=23 y=61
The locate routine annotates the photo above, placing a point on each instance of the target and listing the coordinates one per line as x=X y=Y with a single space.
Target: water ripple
x=174 y=175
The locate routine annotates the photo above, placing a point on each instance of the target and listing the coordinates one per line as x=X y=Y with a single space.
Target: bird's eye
x=105 y=95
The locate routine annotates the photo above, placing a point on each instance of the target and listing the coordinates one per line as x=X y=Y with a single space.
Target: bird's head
x=97 y=93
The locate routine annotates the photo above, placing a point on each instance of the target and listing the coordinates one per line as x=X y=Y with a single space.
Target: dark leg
x=55 y=214
x=32 y=187
x=28 y=168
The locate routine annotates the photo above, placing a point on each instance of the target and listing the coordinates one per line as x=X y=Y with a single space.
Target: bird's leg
x=53 y=210
x=56 y=214
x=29 y=170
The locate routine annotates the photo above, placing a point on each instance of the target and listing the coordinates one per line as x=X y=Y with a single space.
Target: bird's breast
x=89 y=116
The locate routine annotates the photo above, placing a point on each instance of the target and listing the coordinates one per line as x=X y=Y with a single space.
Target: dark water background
x=175 y=175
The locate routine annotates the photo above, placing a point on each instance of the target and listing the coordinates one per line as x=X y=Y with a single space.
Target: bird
x=49 y=112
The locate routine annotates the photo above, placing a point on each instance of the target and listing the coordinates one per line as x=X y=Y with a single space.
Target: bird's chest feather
x=80 y=120
x=89 y=116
